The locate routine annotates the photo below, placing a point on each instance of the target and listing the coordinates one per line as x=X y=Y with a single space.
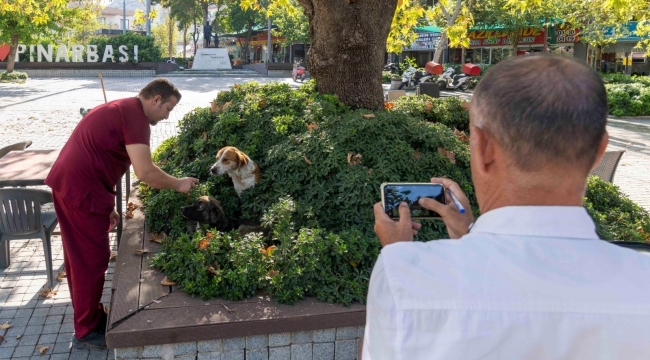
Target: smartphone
x=392 y=194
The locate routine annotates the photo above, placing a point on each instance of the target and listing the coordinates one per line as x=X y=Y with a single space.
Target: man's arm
x=147 y=171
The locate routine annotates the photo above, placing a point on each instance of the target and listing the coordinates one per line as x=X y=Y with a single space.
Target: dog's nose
x=213 y=170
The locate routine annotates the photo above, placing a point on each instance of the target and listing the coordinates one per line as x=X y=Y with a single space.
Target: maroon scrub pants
x=86 y=253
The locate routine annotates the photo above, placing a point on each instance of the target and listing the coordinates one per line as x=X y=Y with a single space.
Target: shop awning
x=427 y=29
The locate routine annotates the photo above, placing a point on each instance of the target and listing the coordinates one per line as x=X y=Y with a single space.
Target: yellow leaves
x=354 y=159
x=166 y=282
x=448 y=154
x=389 y=105
x=157 y=237
x=47 y=293
x=406 y=16
x=268 y=251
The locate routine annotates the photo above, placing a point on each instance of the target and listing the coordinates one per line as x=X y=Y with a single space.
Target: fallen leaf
x=389 y=105
x=312 y=127
x=2 y=338
x=353 y=263
x=235 y=86
x=157 y=237
x=211 y=270
x=268 y=251
x=141 y=251
x=417 y=155
x=130 y=207
x=307 y=160
x=354 y=159
x=368 y=116
x=5 y=326
x=226 y=105
x=205 y=136
x=141 y=280
x=113 y=256
x=460 y=135
x=106 y=309
x=227 y=309
x=214 y=107
x=157 y=301
x=60 y=276
x=167 y=282
x=370 y=171
x=448 y=154
x=273 y=273
x=209 y=235
x=429 y=105
x=42 y=349
x=217 y=265
x=47 y=293
x=19 y=336
x=466 y=105
x=261 y=103
x=203 y=244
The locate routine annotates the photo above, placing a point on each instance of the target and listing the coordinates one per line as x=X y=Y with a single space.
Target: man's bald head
x=543 y=110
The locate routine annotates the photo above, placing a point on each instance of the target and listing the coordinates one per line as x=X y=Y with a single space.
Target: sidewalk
x=47 y=110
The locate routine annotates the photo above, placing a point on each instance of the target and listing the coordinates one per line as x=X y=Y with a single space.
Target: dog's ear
x=243 y=159
x=217 y=215
x=220 y=152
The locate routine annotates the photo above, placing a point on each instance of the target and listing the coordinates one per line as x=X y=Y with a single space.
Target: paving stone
x=346 y=350
x=57 y=310
x=48 y=339
x=323 y=351
x=79 y=354
x=24 y=313
x=257 y=354
x=41 y=312
x=33 y=330
x=233 y=355
x=61 y=347
x=152 y=351
x=5 y=353
x=36 y=320
x=301 y=337
x=209 y=346
x=325 y=335
x=346 y=333
x=23 y=351
x=301 y=351
x=280 y=353
x=257 y=342
x=280 y=339
x=361 y=331
x=55 y=319
x=10 y=341
x=209 y=356
x=7 y=314
x=127 y=353
x=97 y=354
x=51 y=329
x=234 y=344
x=60 y=357
x=23 y=321
x=29 y=340
x=185 y=349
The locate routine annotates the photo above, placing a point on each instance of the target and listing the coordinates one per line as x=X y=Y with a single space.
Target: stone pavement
x=47 y=110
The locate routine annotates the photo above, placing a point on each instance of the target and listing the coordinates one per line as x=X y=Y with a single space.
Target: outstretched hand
x=457 y=223
x=186 y=184
x=389 y=231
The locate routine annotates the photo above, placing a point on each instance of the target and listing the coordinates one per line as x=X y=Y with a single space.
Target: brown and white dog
x=243 y=171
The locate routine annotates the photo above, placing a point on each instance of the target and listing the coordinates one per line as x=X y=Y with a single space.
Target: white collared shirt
x=526 y=283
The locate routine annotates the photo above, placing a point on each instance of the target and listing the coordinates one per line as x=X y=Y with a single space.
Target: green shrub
x=386 y=77
x=147 y=48
x=15 y=76
x=616 y=216
x=318 y=205
x=628 y=99
x=449 y=111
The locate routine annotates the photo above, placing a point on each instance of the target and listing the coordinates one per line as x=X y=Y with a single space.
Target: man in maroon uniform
x=100 y=150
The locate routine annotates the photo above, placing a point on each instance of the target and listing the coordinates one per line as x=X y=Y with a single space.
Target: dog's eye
x=225 y=161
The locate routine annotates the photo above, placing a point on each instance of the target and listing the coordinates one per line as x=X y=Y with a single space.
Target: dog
x=243 y=171
x=208 y=210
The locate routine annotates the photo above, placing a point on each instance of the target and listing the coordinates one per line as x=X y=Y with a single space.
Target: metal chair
x=17 y=146
x=21 y=218
x=607 y=166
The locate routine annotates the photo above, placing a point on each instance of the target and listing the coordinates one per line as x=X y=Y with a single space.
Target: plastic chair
x=21 y=218
x=607 y=166
x=17 y=146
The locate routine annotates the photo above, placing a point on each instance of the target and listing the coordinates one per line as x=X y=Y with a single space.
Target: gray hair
x=543 y=110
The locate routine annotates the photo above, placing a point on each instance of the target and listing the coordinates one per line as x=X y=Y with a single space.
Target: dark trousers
x=86 y=253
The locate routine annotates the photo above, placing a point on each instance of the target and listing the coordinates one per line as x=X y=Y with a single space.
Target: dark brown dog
x=208 y=210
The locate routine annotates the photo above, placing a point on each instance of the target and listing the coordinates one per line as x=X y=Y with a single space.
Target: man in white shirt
x=531 y=279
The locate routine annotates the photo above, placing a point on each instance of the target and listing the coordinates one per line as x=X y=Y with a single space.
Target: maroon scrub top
x=95 y=158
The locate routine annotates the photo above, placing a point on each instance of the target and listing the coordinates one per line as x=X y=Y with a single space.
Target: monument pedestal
x=211 y=59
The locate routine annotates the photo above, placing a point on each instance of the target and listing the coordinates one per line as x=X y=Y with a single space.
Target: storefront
x=424 y=46
x=623 y=56
x=492 y=46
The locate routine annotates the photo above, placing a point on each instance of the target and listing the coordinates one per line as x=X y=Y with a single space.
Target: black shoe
x=101 y=327
x=94 y=340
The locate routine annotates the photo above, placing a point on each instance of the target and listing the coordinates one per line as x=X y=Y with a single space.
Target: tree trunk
x=204 y=6
x=247 y=50
x=442 y=44
x=170 y=33
x=514 y=40
x=11 y=59
x=185 y=42
x=348 y=42
x=195 y=37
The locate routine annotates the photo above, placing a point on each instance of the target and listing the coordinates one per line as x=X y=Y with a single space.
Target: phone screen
x=394 y=194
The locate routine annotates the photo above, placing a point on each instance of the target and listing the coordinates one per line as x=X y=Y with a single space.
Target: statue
x=207 y=32
x=216 y=40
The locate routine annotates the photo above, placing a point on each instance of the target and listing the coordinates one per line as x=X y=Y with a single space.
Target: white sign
x=424 y=41
x=211 y=59
x=48 y=54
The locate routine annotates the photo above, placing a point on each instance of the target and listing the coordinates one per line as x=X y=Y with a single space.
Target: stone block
x=346 y=350
x=281 y=339
x=301 y=351
x=323 y=351
x=127 y=353
x=210 y=346
x=325 y=335
x=188 y=348
x=346 y=333
x=234 y=344
x=361 y=330
x=301 y=337
x=280 y=353
x=257 y=342
x=233 y=355
x=152 y=351
x=209 y=356
x=257 y=354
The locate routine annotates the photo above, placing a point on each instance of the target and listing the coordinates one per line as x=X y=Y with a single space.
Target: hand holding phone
x=392 y=194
